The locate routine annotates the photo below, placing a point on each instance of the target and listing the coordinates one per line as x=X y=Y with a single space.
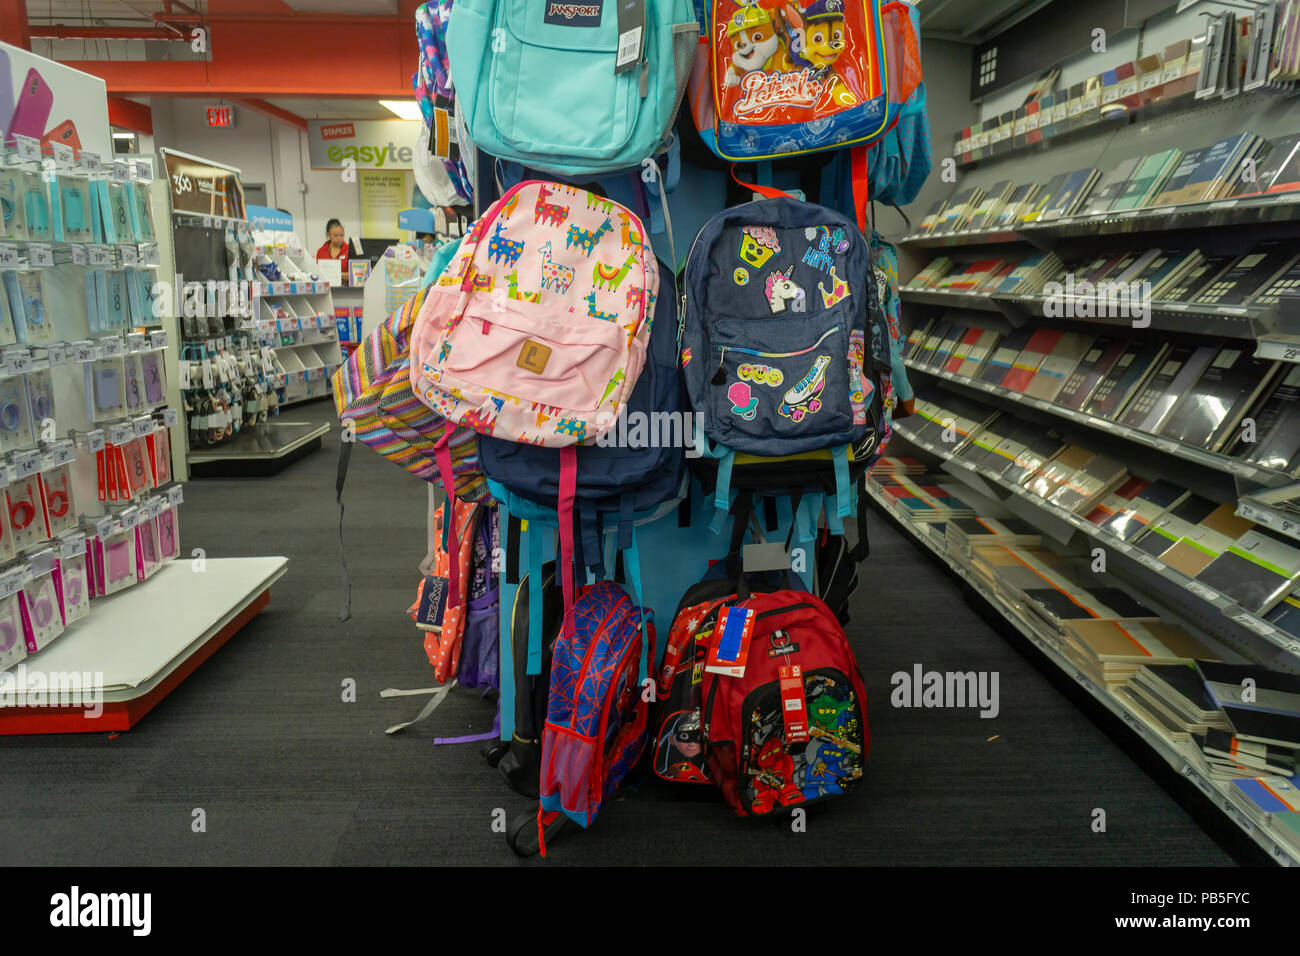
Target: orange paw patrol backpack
x=779 y=77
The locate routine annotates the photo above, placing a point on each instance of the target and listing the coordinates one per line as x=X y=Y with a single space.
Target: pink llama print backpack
x=538 y=329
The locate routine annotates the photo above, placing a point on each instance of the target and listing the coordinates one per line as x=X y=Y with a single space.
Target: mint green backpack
x=556 y=86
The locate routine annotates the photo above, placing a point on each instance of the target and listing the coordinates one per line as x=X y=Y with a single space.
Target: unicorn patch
x=780 y=289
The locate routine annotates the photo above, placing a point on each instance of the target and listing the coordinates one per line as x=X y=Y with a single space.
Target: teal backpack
x=547 y=84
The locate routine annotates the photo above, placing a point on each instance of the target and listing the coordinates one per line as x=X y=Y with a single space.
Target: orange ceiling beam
x=13 y=23
x=273 y=111
x=128 y=114
x=262 y=48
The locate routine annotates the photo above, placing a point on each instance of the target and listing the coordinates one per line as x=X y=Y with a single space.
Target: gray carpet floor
x=287 y=772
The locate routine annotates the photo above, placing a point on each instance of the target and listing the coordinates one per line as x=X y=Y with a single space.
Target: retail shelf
x=297 y=287
x=1243 y=629
x=1184 y=758
x=1256 y=323
x=138 y=645
x=1217 y=214
x=1191 y=453
x=264 y=450
x=1261 y=510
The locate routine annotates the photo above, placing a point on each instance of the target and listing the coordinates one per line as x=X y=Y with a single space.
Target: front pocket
x=553 y=80
x=564 y=365
x=780 y=379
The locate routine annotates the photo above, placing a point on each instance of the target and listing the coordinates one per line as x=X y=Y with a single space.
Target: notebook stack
x=986 y=211
x=1113 y=651
x=1071 y=195
x=1171 y=698
x=1135 y=506
x=930 y=276
x=959 y=210
x=1262 y=708
x=1148 y=180
x=1110 y=186
x=966 y=533
x=925 y=503
x=1031 y=274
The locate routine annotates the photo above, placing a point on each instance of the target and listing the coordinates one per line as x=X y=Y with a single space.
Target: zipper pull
x=645 y=77
x=720 y=376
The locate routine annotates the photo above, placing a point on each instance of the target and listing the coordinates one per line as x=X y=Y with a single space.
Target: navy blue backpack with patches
x=785 y=351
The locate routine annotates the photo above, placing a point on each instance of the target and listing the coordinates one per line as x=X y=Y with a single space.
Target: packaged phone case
x=115 y=561
x=155 y=378
x=117 y=300
x=139 y=473
x=101 y=299
x=122 y=230
x=40 y=324
x=15 y=423
x=26 y=512
x=8 y=332
x=169 y=533
x=105 y=389
x=40 y=400
x=36 y=207
x=13 y=643
x=39 y=601
x=74 y=202
x=160 y=456
x=134 y=371
x=143 y=212
x=147 y=557
x=56 y=497
x=11 y=205
x=73 y=586
x=7 y=549
x=14 y=296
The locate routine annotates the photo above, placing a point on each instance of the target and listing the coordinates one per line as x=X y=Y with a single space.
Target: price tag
x=1252 y=623
x=56 y=354
x=83 y=351
x=100 y=255
x=111 y=345
x=11 y=581
x=169 y=417
x=78 y=254
x=1191 y=774
x=72 y=545
x=1128 y=88
x=1165 y=445
x=8 y=256
x=129 y=516
x=29 y=149
x=1151 y=80
x=62 y=452
x=1148 y=561
x=27 y=463
x=148 y=254
x=103 y=526
x=40 y=255
x=158 y=339
x=1278 y=351
x=91 y=162
x=121 y=171
x=1201 y=591
x=1170 y=74
x=143 y=171
x=142 y=426
x=95 y=440
x=175 y=495
x=135 y=341
x=130 y=255
x=120 y=433
x=63 y=155
x=1224 y=204
x=17 y=361
x=1091 y=102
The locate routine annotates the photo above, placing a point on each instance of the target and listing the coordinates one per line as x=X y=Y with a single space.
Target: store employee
x=336 y=246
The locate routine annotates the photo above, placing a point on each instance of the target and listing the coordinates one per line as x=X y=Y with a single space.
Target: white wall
x=265 y=151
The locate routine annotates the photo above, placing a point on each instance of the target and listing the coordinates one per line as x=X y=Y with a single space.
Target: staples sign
x=366 y=144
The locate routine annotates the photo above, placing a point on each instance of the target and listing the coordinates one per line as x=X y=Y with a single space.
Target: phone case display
x=154 y=371
x=57 y=501
x=147 y=556
x=15 y=424
x=74 y=202
x=114 y=555
x=143 y=215
x=11 y=204
x=121 y=213
x=73 y=587
x=105 y=389
x=13 y=642
x=40 y=398
x=160 y=456
x=134 y=371
x=135 y=464
x=36 y=207
x=169 y=533
x=26 y=512
x=42 y=612
x=38 y=324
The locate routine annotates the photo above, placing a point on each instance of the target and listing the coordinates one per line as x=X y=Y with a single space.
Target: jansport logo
x=573 y=14
x=338 y=131
x=77 y=909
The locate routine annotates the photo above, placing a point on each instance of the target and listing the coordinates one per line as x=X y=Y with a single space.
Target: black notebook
x=1206 y=414
x=1276 y=442
x=1173 y=377
x=1087 y=375
x=1189 y=286
x=1249 y=274
x=1125 y=377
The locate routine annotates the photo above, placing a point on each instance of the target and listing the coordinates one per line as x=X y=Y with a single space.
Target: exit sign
x=219 y=116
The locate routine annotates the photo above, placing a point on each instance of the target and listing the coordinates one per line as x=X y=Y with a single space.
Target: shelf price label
x=40 y=255
x=71 y=545
x=142 y=426
x=169 y=417
x=129 y=516
x=158 y=338
x=12 y=580
x=130 y=255
x=175 y=495
x=63 y=155
x=103 y=526
x=143 y=171
x=29 y=149
x=91 y=162
x=78 y=254
x=148 y=254
x=56 y=354
x=83 y=351
x=62 y=452
x=1278 y=351
x=27 y=463
x=112 y=345
x=17 y=361
x=8 y=256
x=121 y=171
x=99 y=255
x=1201 y=591
x=1193 y=775
x=95 y=440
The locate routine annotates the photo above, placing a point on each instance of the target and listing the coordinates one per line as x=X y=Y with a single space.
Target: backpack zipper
x=720 y=376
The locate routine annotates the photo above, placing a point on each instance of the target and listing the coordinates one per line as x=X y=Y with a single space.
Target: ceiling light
x=124 y=136
x=406 y=109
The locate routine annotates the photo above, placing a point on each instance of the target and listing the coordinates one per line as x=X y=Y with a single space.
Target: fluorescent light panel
x=405 y=109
